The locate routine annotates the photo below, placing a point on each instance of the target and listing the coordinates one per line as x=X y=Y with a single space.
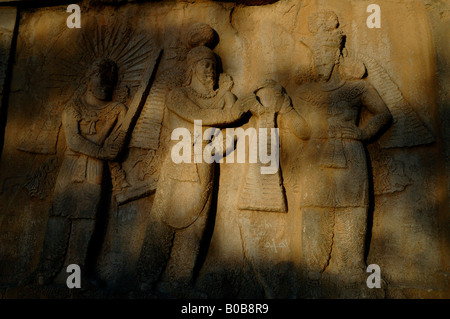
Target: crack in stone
x=332 y=243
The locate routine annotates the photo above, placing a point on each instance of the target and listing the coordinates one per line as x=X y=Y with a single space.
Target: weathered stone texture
x=7 y=24
x=375 y=194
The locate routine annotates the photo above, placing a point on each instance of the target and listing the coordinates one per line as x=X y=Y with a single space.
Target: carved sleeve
x=120 y=130
x=121 y=112
x=294 y=122
x=381 y=114
x=181 y=105
x=75 y=141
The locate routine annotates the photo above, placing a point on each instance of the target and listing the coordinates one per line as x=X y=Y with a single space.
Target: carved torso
x=81 y=175
x=328 y=110
x=339 y=163
x=176 y=180
x=96 y=124
x=93 y=126
x=184 y=95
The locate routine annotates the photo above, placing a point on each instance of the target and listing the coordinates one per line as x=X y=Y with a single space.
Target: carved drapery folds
x=111 y=194
x=265 y=192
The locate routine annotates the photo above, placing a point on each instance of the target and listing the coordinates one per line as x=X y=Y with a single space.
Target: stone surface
x=7 y=24
x=87 y=175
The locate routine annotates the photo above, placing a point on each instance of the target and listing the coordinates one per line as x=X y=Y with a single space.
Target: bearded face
x=324 y=61
x=205 y=71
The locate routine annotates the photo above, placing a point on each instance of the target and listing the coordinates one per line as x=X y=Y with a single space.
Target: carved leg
x=345 y=276
x=317 y=241
x=349 y=243
x=155 y=253
x=179 y=274
x=186 y=247
x=79 y=242
x=54 y=249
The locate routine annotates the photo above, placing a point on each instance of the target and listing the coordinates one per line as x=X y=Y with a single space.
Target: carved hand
x=226 y=82
x=250 y=103
x=108 y=152
x=117 y=139
x=354 y=133
x=113 y=145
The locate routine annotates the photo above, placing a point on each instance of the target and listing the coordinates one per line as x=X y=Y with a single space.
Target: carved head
x=102 y=79
x=327 y=44
x=272 y=95
x=201 y=66
x=324 y=61
x=322 y=21
x=200 y=34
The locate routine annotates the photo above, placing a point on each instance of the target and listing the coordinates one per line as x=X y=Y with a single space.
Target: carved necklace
x=91 y=114
x=201 y=95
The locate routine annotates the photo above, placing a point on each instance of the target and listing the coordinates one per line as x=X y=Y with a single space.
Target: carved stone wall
x=8 y=18
x=89 y=179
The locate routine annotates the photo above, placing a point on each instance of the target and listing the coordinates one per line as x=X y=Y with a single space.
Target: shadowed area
x=248 y=245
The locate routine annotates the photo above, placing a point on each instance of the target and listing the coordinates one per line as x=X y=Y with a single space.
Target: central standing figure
x=184 y=192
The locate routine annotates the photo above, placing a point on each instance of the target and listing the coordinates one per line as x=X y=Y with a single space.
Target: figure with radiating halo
x=102 y=72
x=90 y=124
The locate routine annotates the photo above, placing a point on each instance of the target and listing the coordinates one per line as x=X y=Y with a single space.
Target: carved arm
x=382 y=117
x=180 y=104
x=78 y=143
